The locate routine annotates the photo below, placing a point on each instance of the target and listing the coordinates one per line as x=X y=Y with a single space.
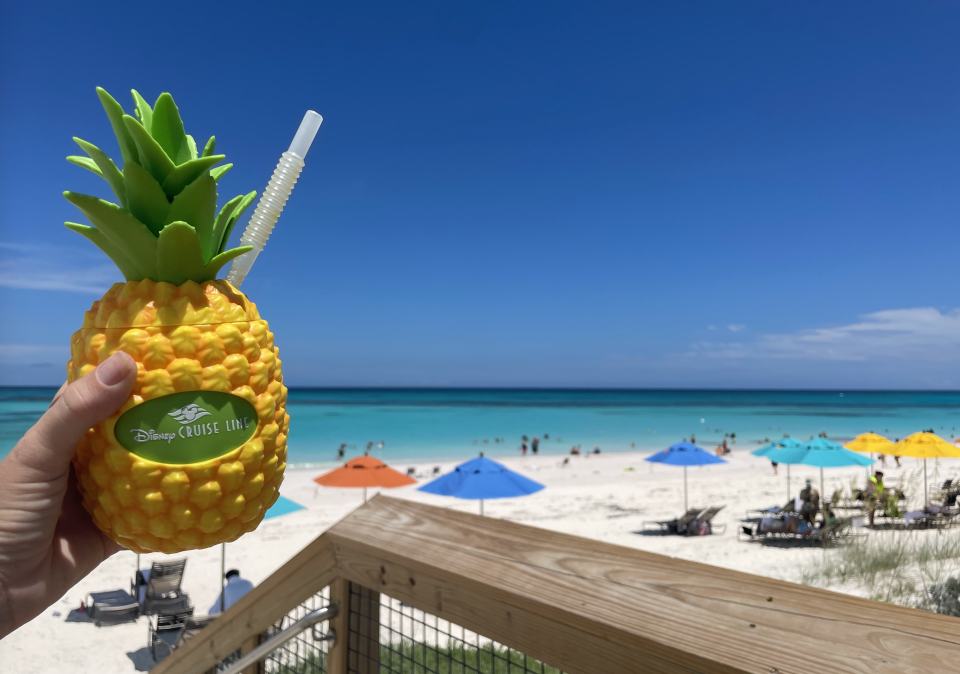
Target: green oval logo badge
x=187 y=427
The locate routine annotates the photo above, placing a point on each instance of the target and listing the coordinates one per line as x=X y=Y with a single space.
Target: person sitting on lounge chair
x=810 y=498
x=828 y=517
x=235 y=588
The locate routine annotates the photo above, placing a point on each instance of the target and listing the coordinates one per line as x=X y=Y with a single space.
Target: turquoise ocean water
x=433 y=424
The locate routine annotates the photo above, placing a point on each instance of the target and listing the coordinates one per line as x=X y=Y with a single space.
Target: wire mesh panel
x=307 y=652
x=389 y=637
x=304 y=654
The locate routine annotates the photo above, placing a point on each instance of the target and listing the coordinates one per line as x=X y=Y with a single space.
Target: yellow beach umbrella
x=925 y=446
x=870 y=443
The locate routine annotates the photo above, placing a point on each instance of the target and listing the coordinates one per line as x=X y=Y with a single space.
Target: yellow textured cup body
x=205 y=337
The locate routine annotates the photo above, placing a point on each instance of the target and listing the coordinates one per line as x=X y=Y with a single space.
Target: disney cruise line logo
x=186 y=427
x=189 y=413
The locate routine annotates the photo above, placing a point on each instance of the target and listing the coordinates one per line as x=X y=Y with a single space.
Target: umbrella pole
x=822 y=497
x=364 y=494
x=924 y=482
x=788 y=481
x=223 y=571
x=685 y=489
x=481 y=507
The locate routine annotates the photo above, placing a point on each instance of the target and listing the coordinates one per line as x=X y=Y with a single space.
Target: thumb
x=82 y=405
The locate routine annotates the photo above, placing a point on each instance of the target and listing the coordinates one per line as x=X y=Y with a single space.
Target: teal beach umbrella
x=775 y=450
x=822 y=453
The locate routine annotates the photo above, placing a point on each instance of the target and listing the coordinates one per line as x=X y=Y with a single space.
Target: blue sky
x=693 y=194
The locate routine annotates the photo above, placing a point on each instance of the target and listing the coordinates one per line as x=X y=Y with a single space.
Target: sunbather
x=810 y=499
x=828 y=518
x=235 y=588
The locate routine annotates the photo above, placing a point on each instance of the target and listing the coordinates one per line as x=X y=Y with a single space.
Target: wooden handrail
x=587 y=606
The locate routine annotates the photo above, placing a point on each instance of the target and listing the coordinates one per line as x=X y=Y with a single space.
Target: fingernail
x=113 y=370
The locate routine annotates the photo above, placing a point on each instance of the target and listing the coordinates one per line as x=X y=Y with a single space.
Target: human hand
x=47 y=540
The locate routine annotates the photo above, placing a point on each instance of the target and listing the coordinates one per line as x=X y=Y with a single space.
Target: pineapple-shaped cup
x=196 y=455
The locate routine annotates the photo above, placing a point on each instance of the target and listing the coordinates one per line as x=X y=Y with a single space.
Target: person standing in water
x=535 y=445
x=523 y=448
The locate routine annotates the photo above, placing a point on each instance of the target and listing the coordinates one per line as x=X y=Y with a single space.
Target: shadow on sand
x=142 y=659
x=75 y=616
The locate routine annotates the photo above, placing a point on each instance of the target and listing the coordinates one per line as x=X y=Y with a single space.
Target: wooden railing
x=583 y=606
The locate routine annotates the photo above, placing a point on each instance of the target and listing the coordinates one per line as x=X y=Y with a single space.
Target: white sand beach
x=606 y=497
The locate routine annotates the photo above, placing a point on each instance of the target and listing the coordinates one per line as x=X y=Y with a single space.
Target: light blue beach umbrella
x=775 y=449
x=684 y=454
x=480 y=479
x=822 y=453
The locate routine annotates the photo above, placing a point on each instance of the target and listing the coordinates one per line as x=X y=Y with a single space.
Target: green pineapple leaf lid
x=166 y=226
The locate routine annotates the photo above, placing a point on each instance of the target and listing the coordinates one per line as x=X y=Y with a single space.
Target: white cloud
x=922 y=334
x=43 y=267
x=736 y=327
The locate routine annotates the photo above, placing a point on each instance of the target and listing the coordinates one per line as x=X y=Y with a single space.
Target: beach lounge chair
x=752 y=530
x=930 y=517
x=112 y=607
x=748 y=527
x=172 y=631
x=164 y=633
x=830 y=532
x=707 y=518
x=677 y=525
x=772 y=511
x=162 y=594
x=947 y=494
x=436 y=470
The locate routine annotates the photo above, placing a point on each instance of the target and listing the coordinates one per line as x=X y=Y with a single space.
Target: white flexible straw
x=274 y=198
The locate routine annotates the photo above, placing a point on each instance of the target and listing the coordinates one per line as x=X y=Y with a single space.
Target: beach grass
x=897 y=567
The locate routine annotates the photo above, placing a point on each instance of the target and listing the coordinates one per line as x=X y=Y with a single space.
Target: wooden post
x=363 y=641
x=249 y=645
x=337 y=655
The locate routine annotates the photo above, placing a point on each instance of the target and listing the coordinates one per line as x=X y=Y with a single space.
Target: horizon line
x=576 y=389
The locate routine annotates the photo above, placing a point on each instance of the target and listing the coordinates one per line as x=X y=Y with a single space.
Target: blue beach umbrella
x=480 y=479
x=776 y=450
x=684 y=454
x=822 y=453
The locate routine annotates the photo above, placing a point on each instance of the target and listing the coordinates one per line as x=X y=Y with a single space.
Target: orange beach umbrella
x=364 y=471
